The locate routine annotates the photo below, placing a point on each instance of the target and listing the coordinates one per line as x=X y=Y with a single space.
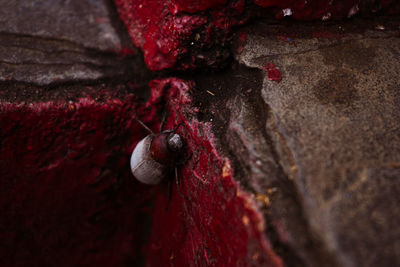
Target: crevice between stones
x=215 y=95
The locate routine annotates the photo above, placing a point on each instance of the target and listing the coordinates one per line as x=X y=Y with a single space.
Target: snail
x=156 y=155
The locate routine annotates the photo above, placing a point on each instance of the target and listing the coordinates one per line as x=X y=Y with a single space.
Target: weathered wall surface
x=67 y=194
x=334 y=123
x=190 y=34
x=56 y=41
x=292 y=127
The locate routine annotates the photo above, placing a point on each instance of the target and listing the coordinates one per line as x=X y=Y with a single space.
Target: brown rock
x=334 y=123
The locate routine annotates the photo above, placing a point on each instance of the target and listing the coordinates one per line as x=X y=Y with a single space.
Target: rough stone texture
x=333 y=122
x=176 y=34
x=67 y=195
x=327 y=9
x=172 y=38
x=218 y=223
x=310 y=133
x=64 y=199
x=45 y=42
x=231 y=101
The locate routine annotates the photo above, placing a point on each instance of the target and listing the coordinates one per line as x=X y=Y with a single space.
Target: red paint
x=318 y=9
x=241 y=41
x=199 y=229
x=194 y=6
x=165 y=30
x=311 y=9
x=273 y=73
x=160 y=34
x=126 y=51
x=67 y=196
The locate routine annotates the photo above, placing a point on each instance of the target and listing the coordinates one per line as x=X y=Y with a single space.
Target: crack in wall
x=237 y=108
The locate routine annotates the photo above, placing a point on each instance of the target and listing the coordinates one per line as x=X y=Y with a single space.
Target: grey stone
x=232 y=102
x=54 y=41
x=84 y=22
x=334 y=124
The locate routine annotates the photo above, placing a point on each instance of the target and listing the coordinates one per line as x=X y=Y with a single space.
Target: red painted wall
x=68 y=197
x=179 y=34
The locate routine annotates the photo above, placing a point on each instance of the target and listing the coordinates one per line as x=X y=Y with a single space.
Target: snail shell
x=143 y=166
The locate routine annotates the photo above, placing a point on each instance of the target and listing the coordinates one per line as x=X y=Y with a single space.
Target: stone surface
x=178 y=34
x=232 y=102
x=68 y=196
x=64 y=199
x=68 y=104
x=172 y=38
x=327 y=9
x=44 y=42
x=304 y=132
x=333 y=122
